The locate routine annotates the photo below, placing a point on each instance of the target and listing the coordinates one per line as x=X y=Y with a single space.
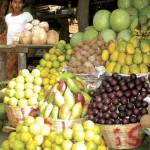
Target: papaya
x=110 y=67
x=146 y=59
x=130 y=48
x=112 y=47
x=117 y=68
x=105 y=55
x=122 y=59
x=145 y=45
x=143 y=68
x=137 y=58
x=114 y=56
x=129 y=59
x=134 y=69
x=125 y=69
x=134 y=41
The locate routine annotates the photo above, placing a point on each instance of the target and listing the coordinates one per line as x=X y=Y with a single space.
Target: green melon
x=145 y=11
x=125 y=34
x=124 y=4
x=139 y=4
x=133 y=12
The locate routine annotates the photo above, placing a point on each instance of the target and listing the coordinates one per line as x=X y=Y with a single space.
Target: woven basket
x=123 y=136
x=16 y=115
x=60 y=124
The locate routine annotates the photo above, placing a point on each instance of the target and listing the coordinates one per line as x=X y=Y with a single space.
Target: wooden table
x=22 y=51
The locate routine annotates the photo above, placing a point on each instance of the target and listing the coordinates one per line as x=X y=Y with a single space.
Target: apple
x=38 y=81
x=28 y=85
x=19 y=86
x=13 y=101
x=29 y=78
x=11 y=84
x=97 y=139
x=68 y=133
x=39 y=139
x=67 y=145
x=59 y=138
x=28 y=93
x=18 y=144
x=23 y=102
x=36 y=88
x=34 y=129
x=24 y=72
x=32 y=101
x=20 y=79
x=11 y=92
x=29 y=120
x=35 y=72
x=19 y=94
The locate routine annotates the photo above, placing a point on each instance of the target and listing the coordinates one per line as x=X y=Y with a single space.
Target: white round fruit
x=11 y=92
x=34 y=129
x=20 y=79
x=36 y=88
x=25 y=72
x=29 y=78
x=35 y=72
x=28 y=93
x=19 y=94
x=13 y=101
x=28 y=85
x=19 y=86
x=23 y=102
x=38 y=80
x=11 y=84
x=32 y=101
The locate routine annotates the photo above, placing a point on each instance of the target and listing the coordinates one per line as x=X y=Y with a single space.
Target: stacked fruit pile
x=53 y=62
x=127 y=57
x=24 y=89
x=67 y=99
x=119 y=100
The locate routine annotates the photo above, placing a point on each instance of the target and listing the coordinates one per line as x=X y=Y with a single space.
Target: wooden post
x=2 y=66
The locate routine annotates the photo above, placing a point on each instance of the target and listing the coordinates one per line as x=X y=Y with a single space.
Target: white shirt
x=16 y=24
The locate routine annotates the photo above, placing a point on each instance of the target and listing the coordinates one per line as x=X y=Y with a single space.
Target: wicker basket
x=123 y=136
x=16 y=115
x=60 y=124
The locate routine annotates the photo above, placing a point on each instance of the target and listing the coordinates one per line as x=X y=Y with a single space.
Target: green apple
x=13 y=101
x=23 y=102
x=34 y=129
x=39 y=139
x=28 y=85
x=29 y=120
x=68 y=133
x=35 y=72
x=67 y=145
x=19 y=86
x=37 y=81
x=28 y=93
x=37 y=88
x=29 y=78
x=78 y=135
x=11 y=84
x=11 y=92
x=88 y=124
x=19 y=94
x=6 y=100
x=20 y=79
x=32 y=101
x=24 y=72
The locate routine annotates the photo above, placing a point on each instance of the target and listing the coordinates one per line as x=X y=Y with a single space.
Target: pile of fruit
x=3 y=115
x=53 y=62
x=127 y=57
x=119 y=100
x=34 y=134
x=24 y=89
x=67 y=99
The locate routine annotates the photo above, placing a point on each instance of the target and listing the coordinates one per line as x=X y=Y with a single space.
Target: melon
x=108 y=34
x=101 y=20
x=125 y=34
x=145 y=11
x=139 y=4
x=76 y=39
x=122 y=4
x=119 y=20
x=133 y=12
x=89 y=34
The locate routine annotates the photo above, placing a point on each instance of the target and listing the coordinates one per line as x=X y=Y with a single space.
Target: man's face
x=17 y=5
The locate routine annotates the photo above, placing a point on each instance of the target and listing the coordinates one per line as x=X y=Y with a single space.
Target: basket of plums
x=117 y=106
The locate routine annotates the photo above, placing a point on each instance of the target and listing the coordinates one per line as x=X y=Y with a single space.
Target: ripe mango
x=122 y=46
x=112 y=47
x=134 y=69
x=145 y=46
x=137 y=50
x=134 y=41
x=143 y=68
x=110 y=67
x=125 y=69
x=105 y=55
x=117 y=68
x=122 y=59
x=130 y=48
x=114 y=56
x=137 y=58
x=146 y=59
x=107 y=62
x=129 y=59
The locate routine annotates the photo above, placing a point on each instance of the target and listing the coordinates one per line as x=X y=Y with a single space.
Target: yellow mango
x=146 y=59
x=112 y=47
x=117 y=68
x=143 y=68
x=107 y=62
x=134 y=41
x=110 y=67
x=137 y=58
x=129 y=59
x=122 y=46
x=134 y=69
x=145 y=46
x=122 y=59
x=105 y=55
x=114 y=56
x=125 y=69
x=130 y=48
x=137 y=50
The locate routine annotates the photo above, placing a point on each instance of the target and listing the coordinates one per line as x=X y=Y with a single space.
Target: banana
x=65 y=75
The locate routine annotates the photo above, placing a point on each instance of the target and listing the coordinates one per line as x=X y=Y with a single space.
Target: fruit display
x=119 y=100
x=68 y=99
x=86 y=56
x=24 y=89
x=53 y=62
x=127 y=57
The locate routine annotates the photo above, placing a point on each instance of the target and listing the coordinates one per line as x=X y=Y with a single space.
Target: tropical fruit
x=122 y=4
